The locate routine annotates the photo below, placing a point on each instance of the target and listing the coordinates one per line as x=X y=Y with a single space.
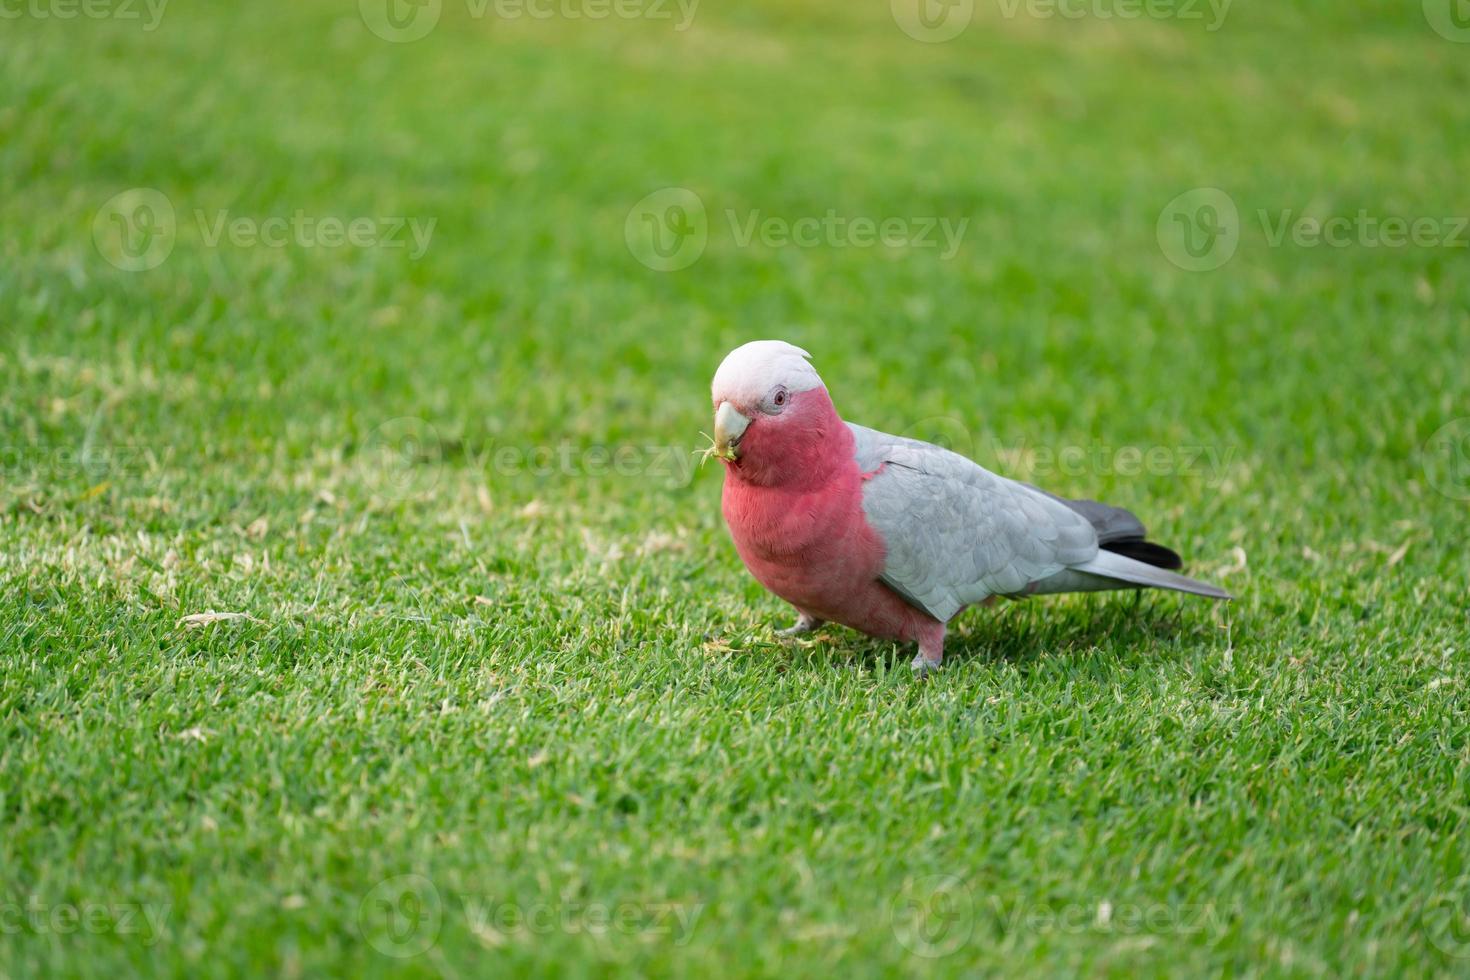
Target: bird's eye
x=779 y=397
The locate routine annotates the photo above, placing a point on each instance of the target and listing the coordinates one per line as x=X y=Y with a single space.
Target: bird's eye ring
x=779 y=398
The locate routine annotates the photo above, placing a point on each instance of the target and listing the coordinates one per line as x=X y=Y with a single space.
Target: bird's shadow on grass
x=1122 y=628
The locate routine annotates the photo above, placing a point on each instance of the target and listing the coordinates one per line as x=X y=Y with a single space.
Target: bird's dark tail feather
x=1148 y=552
x=1120 y=532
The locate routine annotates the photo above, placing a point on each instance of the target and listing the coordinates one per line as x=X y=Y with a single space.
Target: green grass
x=549 y=686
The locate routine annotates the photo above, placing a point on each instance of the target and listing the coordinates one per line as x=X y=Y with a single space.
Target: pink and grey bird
x=892 y=536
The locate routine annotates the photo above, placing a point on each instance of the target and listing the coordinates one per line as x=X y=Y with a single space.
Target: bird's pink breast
x=813 y=547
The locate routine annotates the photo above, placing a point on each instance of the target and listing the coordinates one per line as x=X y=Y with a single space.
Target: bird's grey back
x=956 y=533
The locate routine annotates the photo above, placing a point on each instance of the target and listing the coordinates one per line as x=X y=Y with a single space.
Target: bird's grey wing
x=955 y=533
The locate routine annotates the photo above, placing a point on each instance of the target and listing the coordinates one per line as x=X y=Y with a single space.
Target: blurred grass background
x=561 y=687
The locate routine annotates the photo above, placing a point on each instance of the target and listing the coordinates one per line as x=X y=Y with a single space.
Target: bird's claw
x=922 y=667
x=804 y=624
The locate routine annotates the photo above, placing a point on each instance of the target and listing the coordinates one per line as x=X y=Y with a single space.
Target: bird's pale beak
x=730 y=425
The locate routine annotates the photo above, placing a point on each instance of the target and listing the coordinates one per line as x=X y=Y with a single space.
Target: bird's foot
x=931 y=654
x=804 y=624
x=923 y=667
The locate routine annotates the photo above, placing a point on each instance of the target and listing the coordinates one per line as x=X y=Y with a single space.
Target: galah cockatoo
x=893 y=536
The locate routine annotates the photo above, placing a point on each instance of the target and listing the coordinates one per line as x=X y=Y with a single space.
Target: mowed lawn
x=489 y=691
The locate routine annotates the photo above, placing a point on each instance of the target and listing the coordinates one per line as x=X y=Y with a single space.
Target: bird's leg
x=931 y=654
x=805 y=623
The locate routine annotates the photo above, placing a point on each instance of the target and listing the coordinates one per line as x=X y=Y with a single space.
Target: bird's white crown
x=751 y=370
